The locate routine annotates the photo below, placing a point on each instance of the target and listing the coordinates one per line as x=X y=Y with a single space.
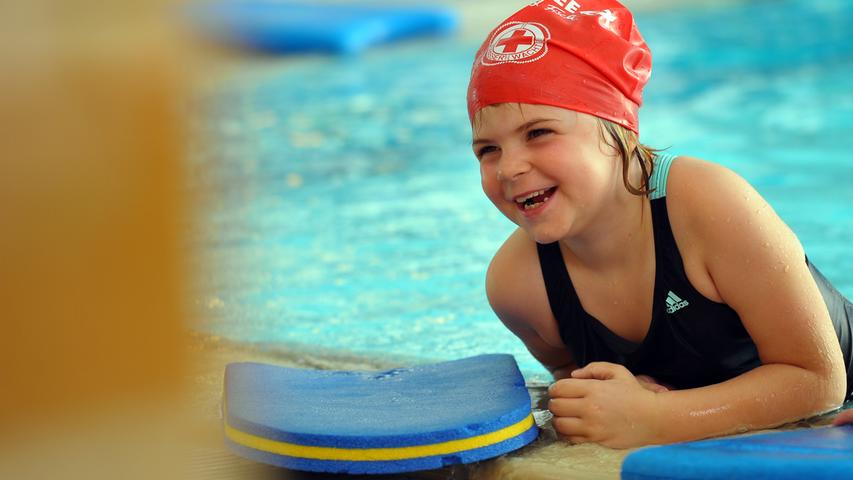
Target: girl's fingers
x=565 y=407
x=567 y=388
x=569 y=427
x=601 y=371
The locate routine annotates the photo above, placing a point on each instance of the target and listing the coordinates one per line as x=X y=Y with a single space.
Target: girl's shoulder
x=693 y=177
x=721 y=223
x=709 y=195
x=709 y=208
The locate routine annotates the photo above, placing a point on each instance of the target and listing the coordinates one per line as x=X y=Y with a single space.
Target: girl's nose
x=513 y=163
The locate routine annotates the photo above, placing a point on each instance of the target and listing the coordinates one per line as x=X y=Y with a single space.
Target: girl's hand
x=604 y=403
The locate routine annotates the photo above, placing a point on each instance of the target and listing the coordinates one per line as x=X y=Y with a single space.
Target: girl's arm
x=516 y=293
x=758 y=267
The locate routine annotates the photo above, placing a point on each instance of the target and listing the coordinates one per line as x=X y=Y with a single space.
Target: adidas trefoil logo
x=674 y=303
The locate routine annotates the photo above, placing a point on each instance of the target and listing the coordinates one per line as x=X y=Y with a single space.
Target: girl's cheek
x=487 y=178
x=492 y=190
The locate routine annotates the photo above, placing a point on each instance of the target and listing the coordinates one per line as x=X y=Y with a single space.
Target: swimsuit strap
x=657 y=182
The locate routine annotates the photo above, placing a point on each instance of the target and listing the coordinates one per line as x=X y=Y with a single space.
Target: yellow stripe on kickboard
x=375 y=454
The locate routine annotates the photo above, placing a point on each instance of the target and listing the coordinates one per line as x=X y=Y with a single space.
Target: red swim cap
x=583 y=55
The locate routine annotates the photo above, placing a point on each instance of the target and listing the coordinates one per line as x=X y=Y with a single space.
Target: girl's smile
x=531 y=204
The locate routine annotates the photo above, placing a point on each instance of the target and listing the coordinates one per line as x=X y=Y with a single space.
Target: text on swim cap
x=560 y=13
x=570 y=7
x=562 y=8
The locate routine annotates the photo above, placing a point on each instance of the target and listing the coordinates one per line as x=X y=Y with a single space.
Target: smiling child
x=665 y=295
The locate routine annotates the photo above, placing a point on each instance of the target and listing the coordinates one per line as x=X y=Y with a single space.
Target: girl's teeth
x=529 y=196
x=534 y=205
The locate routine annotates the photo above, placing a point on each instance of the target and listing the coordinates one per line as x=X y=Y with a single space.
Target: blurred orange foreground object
x=91 y=211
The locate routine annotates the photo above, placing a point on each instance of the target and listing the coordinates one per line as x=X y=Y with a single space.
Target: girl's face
x=545 y=168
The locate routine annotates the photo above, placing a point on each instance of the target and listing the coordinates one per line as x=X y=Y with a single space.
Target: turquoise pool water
x=346 y=213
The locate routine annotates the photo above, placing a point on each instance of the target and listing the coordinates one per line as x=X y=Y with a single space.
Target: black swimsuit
x=692 y=341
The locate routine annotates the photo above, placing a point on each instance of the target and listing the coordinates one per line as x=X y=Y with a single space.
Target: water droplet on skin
x=787 y=267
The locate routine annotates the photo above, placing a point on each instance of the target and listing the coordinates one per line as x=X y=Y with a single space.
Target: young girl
x=668 y=299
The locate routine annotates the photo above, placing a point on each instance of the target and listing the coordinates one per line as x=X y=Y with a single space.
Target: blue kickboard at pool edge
x=817 y=453
x=401 y=420
x=291 y=27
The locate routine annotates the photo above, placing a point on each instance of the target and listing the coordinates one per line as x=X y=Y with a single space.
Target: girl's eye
x=537 y=132
x=485 y=150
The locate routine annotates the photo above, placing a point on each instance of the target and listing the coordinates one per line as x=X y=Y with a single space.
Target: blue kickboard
x=401 y=420
x=292 y=27
x=817 y=453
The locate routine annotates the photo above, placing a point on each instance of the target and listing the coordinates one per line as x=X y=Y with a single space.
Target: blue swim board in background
x=293 y=27
x=817 y=453
x=401 y=420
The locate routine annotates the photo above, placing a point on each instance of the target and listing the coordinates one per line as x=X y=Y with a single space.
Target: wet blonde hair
x=627 y=145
